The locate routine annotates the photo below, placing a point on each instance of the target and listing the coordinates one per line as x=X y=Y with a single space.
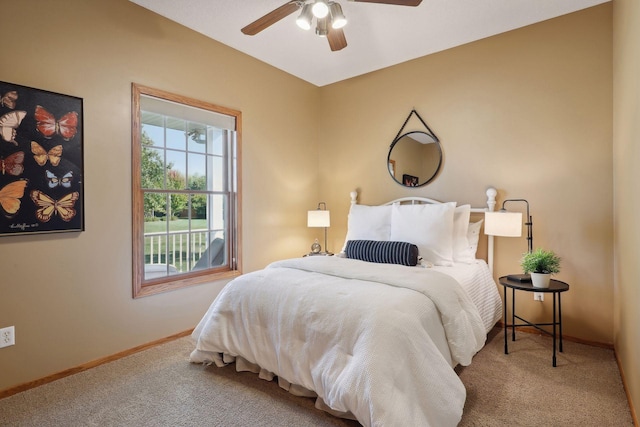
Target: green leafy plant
x=540 y=261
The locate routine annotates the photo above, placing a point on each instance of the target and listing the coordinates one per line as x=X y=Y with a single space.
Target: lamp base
x=519 y=277
x=319 y=254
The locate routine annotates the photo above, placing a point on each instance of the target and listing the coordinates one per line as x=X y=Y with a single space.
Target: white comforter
x=358 y=334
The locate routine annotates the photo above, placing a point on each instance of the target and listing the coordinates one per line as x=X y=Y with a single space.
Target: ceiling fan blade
x=393 y=2
x=336 y=38
x=270 y=18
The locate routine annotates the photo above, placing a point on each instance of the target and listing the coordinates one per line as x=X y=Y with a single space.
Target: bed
x=373 y=333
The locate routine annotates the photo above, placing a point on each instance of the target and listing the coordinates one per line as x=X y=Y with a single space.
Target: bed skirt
x=243 y=365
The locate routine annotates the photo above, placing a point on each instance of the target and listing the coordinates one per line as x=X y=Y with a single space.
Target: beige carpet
x=158 y=387
x=523 y=389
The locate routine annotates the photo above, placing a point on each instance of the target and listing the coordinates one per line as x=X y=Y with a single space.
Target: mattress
x=477 y=281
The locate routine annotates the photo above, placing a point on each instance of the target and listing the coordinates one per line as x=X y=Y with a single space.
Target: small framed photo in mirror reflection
x=409 y=180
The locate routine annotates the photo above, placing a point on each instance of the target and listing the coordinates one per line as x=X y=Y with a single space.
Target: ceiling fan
x=328 y=14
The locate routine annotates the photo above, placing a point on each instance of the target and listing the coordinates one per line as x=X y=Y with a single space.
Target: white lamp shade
x=318 y=218
x=505 y=224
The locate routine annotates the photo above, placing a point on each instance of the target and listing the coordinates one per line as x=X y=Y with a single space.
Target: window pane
x=219 y=248
x=217 y=173
x=217 y=216
x=178 y=207
x=176 y=134
x=152 y=169
x=153 y=271
x=199 y=243
x=176 y=170
x=213 y=255
x=217 y=142
x=179 y=252
x=156 y=256
x=199 y=210
x=233 y=146
x=155 y=209
x=152 y=129
x=197 y=137
x=197 y=172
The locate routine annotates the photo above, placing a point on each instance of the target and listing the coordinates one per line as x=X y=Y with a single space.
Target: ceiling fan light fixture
x=320 y=9
x=304 y=20
x=338 y=20
x=322 y=27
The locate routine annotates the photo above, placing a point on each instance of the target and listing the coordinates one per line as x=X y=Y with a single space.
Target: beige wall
x=69 y=295
x=626 y=156
x=528 y=112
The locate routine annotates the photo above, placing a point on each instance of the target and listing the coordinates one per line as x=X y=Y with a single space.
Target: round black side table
x=556 y=287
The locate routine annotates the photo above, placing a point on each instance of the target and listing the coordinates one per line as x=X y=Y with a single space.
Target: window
x=185 y=174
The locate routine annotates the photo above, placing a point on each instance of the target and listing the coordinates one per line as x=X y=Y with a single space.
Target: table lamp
x=320 y=218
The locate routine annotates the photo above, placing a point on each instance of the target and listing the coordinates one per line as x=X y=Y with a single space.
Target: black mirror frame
x=400 y=135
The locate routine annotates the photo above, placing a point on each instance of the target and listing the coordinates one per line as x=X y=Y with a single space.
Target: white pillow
x=428 y=226
x=368 y=223
x=461 y=217
x=474 y=235
x=468 y=256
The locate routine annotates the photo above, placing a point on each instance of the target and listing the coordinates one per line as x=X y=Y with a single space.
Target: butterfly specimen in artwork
x=11 y=194
x=41 y=155
x=9 y=123
x=48 y=126
x=54 y=181
x=12 y=164
x=9 y=99
x=47 y=206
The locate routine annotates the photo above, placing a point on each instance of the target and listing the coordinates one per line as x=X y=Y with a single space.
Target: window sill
x=162 y=285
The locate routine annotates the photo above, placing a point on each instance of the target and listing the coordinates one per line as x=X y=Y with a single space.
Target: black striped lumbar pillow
x=384 y=252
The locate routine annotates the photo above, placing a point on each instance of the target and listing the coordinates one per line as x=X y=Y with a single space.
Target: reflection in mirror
x=392 y=167
x=414 y=158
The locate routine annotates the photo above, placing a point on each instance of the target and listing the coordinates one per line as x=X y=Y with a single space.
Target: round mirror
x=414 y=158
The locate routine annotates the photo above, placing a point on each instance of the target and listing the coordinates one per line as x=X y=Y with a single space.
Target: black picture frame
x=410 y=180
x=41 y=161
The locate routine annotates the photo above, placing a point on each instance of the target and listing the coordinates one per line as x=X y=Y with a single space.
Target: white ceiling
x=378 y=35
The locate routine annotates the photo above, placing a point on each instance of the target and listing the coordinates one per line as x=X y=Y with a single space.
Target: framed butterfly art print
x=41 y=161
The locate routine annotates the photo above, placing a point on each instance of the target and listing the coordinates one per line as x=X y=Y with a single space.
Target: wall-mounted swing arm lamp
x=509 y=224
x=529 y=222
x=320 y=218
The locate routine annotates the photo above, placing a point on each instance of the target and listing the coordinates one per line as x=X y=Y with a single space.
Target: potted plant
x=541 y=264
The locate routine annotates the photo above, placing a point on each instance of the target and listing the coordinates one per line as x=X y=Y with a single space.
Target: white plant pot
x=540 y=280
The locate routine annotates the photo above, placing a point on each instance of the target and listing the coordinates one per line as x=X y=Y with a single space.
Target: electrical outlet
x=538 y=296
x=7 y=336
